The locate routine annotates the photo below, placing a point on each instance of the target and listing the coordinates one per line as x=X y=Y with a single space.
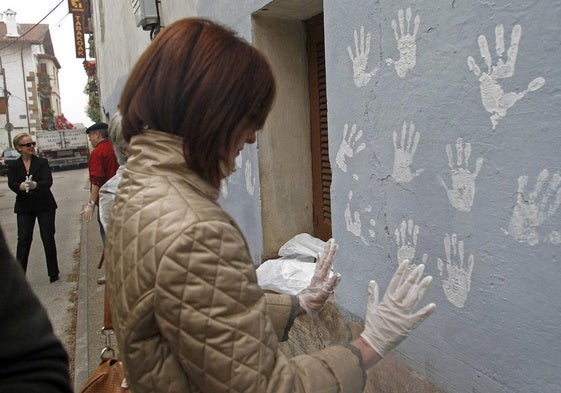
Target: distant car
x=8 y=155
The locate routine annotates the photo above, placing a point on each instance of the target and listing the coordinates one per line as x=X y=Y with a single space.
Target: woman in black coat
x=31 y=179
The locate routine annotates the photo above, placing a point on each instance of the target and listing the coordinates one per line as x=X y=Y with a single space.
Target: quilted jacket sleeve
x=282 y=310
x=213 y=314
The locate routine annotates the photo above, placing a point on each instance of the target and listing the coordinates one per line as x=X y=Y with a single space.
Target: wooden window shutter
x=321 y=167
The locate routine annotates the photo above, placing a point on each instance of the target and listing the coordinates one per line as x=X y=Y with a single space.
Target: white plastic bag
x=292 y=272
x=289 y=276
x=302 y=245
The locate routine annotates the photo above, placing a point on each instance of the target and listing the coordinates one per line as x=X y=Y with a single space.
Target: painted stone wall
x=444 y=145
x=444 y=142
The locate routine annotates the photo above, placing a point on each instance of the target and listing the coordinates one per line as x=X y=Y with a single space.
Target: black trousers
x=26 y=224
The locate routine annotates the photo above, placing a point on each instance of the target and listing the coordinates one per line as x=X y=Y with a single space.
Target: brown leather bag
x=109 y=376
x=106 y=378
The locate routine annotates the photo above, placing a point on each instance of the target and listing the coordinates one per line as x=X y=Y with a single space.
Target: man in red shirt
x=102 y=167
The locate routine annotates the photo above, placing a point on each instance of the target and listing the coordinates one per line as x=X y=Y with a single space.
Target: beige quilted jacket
x=187 y=310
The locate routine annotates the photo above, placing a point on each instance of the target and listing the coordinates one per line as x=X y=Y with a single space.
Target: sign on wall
x=75 y=6
x=78 y=20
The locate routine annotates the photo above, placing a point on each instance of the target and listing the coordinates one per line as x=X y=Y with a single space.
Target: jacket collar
x=33 y=166
x=159 y=153
x=101 y=142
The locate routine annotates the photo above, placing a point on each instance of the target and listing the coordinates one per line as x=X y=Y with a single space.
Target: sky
x=71 y=75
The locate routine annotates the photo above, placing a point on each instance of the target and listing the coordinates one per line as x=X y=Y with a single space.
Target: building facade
x=30 y=92
x=417 y=129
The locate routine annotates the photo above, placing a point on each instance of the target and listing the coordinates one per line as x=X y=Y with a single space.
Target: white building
x=29 y=89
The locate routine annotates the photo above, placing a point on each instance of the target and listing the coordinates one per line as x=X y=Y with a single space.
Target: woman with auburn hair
x=187 y=309
x=30 y=177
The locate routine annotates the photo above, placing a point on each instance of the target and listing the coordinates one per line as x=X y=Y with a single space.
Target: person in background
x=102 y=166
x=108 y=191
x=32 y=358
x=30 y=177
x=187 y=310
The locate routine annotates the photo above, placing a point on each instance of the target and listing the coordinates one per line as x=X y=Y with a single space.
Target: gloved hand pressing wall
x=391 y=321
x=313 y=299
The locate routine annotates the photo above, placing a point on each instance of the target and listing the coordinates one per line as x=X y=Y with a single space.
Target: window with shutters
x=321 y=168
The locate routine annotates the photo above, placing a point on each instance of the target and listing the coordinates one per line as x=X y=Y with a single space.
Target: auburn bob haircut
x=198 y=80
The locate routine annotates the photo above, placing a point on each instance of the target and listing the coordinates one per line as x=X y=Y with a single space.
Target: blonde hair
x=17 y=138
x=116 y=138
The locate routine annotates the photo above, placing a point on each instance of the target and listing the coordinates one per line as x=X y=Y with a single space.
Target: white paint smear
x=406 y=239
x=495 y=100
x=360 y=59
x=350 y=146
x=404 y=151
x=456 y=282
x=406 y=44
x=462 y=192
x=354 y=223
x=249 y=179
x=406 y=236
x=533 y=208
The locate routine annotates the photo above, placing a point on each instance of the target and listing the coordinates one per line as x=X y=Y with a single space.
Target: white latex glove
x=32 y=184
x=313 y=298
x=88 y=212
x=391 y=321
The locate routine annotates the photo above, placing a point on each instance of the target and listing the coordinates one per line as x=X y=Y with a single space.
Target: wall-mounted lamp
x=147 y=15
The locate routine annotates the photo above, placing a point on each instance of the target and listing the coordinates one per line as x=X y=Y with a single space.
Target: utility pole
x=9 y=126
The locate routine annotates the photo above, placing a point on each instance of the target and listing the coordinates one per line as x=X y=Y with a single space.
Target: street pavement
x=75 y=302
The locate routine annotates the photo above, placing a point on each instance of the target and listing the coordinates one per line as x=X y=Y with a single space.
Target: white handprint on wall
x=532 y=210
x=224 y=183
x=354 y=223
x=362 y=49
x=223 y=188
x=239 y=160
x=406 y=44
x=404 y=153
x=249 y=179
x=457 y=282
x=406 y=239
x=462 y=193
x=349 y=148
x=554 y=237
x=494 y=98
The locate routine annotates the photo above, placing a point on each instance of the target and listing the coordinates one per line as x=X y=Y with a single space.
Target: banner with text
x=78 y=19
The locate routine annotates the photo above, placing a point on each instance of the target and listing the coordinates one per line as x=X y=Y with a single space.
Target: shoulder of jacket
x=198 y=209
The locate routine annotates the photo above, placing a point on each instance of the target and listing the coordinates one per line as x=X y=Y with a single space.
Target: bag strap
x=100 y=263
x=107 y=321
x=107 y=329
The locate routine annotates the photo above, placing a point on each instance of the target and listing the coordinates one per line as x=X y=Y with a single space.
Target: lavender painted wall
x=453 y=180
x=443 y=154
